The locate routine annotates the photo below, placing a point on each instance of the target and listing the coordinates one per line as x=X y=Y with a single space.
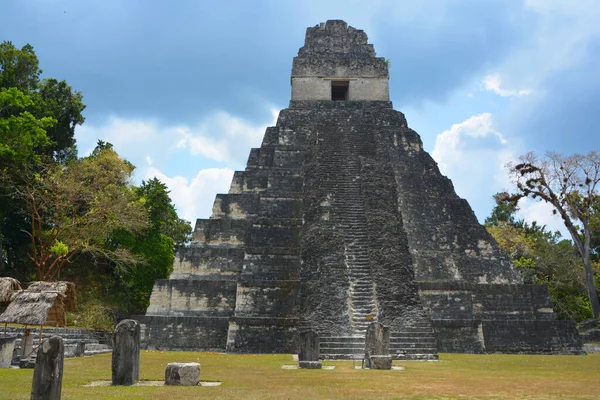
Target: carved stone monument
x=48 y=370
x=377 y=347
x=340 y=219
x=126 y=353
x=308 y=350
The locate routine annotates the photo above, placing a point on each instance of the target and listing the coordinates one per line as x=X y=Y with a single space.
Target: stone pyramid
x=340 y=219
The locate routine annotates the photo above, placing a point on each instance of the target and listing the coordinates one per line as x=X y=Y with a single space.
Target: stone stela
x=126 y=353
x=339 y=220
x=48 y=370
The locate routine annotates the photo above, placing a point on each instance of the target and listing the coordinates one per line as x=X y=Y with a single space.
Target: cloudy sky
x=184 y=89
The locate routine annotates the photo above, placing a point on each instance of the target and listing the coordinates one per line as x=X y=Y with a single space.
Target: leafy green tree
x=21 y=133
x=155 y=245
x=37 y=123
x=18 y=68
x=542 y=257
x=57 y=100
x=570 y=185
x=74 y=208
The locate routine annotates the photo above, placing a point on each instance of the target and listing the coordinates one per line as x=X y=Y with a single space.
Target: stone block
x=308 y=346
x=310 y=364
x=126 y=353
x=7 y=347
x=377 y=343
x=48 y=372
x=182 y=374
x=380 y=362
x=79 y=349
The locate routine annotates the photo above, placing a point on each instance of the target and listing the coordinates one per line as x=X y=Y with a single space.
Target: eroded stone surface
x=48 y=370
x=341 y=219
x=377 y=347
x=182 y=374
x=126 y=353
x=7 y=347
x=308 y=343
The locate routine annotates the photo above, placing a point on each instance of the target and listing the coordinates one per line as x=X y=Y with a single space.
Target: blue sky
x=184 y=89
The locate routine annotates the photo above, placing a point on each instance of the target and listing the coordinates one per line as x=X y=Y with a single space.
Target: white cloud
x=167 y=152
x=194 y=199
x=541 y=212
x=473 y=154
x=492 y=83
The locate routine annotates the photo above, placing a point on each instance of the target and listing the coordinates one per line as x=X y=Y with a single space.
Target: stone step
x=329 y=347
x=403 y=340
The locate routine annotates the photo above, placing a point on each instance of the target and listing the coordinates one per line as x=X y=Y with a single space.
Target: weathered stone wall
x=319 y=88
x=391 y=262
x=193 y=297
x=335 y=51
x=341 y=218
x=446 y=240
x=183 y=333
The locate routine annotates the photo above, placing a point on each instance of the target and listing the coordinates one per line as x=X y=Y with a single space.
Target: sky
x=183 y=89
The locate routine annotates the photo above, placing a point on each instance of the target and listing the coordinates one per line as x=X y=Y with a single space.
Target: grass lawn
x=261 y=377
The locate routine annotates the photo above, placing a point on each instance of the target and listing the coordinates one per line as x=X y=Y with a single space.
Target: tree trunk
x=592 y=294
x=584 y=252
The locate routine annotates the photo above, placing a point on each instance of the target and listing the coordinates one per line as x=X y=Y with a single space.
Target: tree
x=57 y=100
x=37 y=123
x=542 y=257
x=570 y=185
x=21 y=133
x=18 y=68
x=155 y=244
x=74 y=208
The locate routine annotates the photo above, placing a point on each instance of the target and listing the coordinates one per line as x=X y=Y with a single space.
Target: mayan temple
x=340 y=219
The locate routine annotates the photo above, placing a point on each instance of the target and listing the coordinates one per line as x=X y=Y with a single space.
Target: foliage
x=542 y=257
x=57 y=100
x=18 y=68
x=155 y=245
x=37 y=124
x=570 y=185
x=21 y=133
x=79 y=205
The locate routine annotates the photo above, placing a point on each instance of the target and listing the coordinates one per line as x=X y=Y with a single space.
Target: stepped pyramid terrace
x=341 y=219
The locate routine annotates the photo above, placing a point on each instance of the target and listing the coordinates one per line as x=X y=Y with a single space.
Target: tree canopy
x=570 y=185
x=75 y=218
x=74 y=208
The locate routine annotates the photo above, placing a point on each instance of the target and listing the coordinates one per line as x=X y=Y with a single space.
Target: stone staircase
x=96 y=341
x=339 y=160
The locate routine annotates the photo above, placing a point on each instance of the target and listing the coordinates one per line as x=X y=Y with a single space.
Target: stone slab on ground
x=310 y=364
x=182 y=374
x=381 y=362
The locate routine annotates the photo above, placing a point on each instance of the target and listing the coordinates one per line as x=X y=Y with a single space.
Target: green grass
x=455 y=376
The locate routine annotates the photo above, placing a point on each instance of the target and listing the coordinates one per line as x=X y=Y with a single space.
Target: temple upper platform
x=337 y=63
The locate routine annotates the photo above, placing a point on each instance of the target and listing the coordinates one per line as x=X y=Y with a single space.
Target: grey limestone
x=48 y=370
x=126 y=353
x=308 y=350
x=182 y=374
x=341 y=219
x=377 y=347
x=7 y=347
